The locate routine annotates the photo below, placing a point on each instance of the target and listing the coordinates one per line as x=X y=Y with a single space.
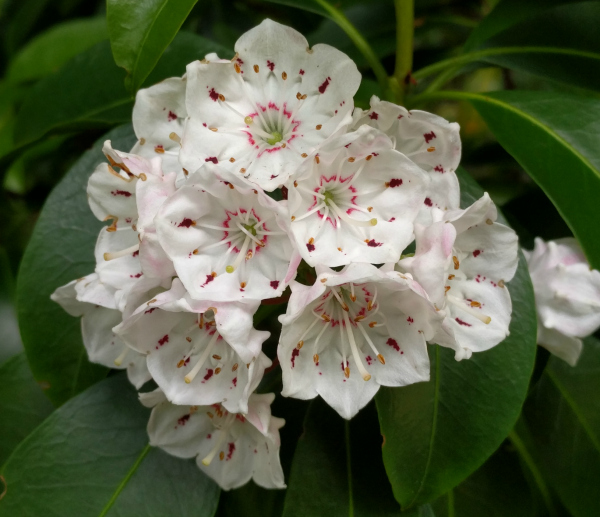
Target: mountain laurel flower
x=276 y=102
x=567 y=296
x=463 y=261
x=355 y=201
x=159 y=116
x=231 y=448
x=428 y=140
x=198 y=352
x=353 y=331
x=227 y=243
x=89 y=298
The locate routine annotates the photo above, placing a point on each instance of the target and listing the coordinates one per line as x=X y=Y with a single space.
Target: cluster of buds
x=243 y=169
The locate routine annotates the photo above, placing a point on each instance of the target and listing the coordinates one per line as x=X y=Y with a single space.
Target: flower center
x=276 y=137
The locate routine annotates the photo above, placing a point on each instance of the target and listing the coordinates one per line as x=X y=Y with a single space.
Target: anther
x=456 y=262
x=122 y=253
x=256 y=68
x=347 y=372
x=489 y=221
x=217 y=371
x=447 y=288
x=430 y=149
x=501 y=283
x=300 y=344
x=380 y=358
x=217 y=357
x=237 y=68
x=450 y=277
x=232 y=159
x=213 y=129
x=304 y=155
x=248 y=120
x=316 y=358
x=234 y=367
x=221 y=97
x=283 y=76
x=369 y=157
x=142 y=141
x=319 y=126
x=175 y=137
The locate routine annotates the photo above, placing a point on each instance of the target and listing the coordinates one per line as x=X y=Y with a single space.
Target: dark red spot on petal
x=186 y=223
x=295 y=353
x=324 y=86
x=231 y=449
x=270 y=65
x=428 y=202
x=183 y=419
x=311 y=247
x=234 y=381
x=395 y=182
x=374 y=116
x=373 y=243
x=163 y=340
x=212 y=159
x=136 y=276
x=150 y=311
x=123 y=193
x=172 y=116
x=476 y=253
x=136 y=253
x=394 y=344
x=429 y=137
x=463 y=323
x=410 y=320
x=274 y=284
x=301 y=72
x=209 y=279
x=209 y=374
x=213 y=95
x=439 y=168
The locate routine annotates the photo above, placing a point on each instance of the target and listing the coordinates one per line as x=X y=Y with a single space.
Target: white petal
x=565 y=347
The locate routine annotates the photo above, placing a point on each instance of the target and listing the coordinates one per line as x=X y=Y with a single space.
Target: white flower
x=230 y=448
x=95 y=303
x=430 y=141
x=355 y=201
x=159 y=116
x=353 y=331
x=262 y=113
x=567 y=296
x=198 y=352
x=227 y=243
x=463 y=261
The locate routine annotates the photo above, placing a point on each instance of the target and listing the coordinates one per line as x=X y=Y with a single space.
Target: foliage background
x=521 y=78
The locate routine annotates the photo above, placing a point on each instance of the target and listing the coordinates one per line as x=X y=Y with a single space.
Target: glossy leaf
x=91 y=458
x=562 y=44
x=141 y=31
x=22 y=404
x=61 y=249
x=89 y=91
x=437 y=433
x=337 y=469
x=562 y=415
x=47 y=52
x=497 y=489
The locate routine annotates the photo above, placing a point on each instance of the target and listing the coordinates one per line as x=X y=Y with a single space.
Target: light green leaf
x=91 y=458
x=141 y=31
x=337 y=469
x=61 y=249
x=51 y=49
x=437 y=433
x=22 y=404
x=562 y=415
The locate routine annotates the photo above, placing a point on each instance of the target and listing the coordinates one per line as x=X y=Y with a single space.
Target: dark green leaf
x=506 y=14
x=437 y=433
x=562 y=415
x=91 y=458
x=141 y=31
x=497 y=489
x=553 y=136
x=317 y=6
x=562 y=44
x=47 y=52
x=337 y=469
x=61 y=249
x=22 y=404
x=89 y=91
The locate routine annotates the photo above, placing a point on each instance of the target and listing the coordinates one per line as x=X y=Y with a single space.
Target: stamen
x=124 y=353
x=190 y=376
x=175 y=137
x=309 y=213
x=346 y=218
x=241 y=256
x=257 y=241
x=371 y=344
x=354 y=348
x=122 y=253
x=222 y=436
x=342 y=303
x=461 y=305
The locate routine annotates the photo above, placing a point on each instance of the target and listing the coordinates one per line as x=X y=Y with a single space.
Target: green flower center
x=276 y=137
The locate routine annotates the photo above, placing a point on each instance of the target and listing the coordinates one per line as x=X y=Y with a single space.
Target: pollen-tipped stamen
x=347 y=219
x=119 y=360
x=361 y=368
x=457 y=302
x=241 y=256
x=192 y=374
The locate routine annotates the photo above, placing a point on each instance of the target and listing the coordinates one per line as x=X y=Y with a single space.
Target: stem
x=537 y=475
x=349 y=468
x=405 y=29
x=481 y=54
x=361 y=43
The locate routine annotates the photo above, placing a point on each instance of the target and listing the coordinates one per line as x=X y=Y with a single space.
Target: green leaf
x=61 y=249
x=89 y=91
x=22 y=404
x=91 y=458
x=497 y=489
x=506 y=14
x=437 y=433
x=51 y=49
x=562 y=44
x=562 y=415
x=553 y=136
x=337 y=469
x=141 y=31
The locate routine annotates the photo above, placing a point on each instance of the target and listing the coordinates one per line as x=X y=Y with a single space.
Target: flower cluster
x=567 y=296
x=244 y=169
